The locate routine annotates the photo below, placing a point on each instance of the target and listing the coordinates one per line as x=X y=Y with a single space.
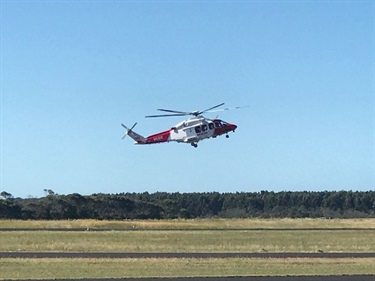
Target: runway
x=235 y=278
x=118 y=255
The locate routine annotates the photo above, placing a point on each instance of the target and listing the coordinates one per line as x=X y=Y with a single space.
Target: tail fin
x=129 y=132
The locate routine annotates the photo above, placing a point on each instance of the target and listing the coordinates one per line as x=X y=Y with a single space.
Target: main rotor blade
x=174 y=111
x=228 y=108
x=182 y=113
x=166 y=115
x=211 y=108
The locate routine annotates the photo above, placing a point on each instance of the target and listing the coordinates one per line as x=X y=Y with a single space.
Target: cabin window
x=198 y=129
x=204 y=127
x=211 y=126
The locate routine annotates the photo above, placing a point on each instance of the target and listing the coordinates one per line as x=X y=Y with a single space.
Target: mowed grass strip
x=193 y=224
x=190 y=241
x=122 y=268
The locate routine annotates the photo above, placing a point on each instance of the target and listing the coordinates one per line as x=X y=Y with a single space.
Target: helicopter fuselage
x=191 y=131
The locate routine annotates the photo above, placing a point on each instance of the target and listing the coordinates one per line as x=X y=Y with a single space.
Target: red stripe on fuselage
x=159 y=137
x=225 y=128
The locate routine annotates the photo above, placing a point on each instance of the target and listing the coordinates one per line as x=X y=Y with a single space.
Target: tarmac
x=97 y=255
x=234 y=278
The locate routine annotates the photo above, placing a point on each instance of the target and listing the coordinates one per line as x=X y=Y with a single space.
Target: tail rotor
x=128 y=130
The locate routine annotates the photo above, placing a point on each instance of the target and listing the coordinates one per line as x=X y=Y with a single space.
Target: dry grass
x=207 y=239
x=194 y=224
x=190 y=241
x=122 y=268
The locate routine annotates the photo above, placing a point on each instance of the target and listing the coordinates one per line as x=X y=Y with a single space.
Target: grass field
x=194 y=224
x=210 y=237
x=190 y=241
x=117 y=268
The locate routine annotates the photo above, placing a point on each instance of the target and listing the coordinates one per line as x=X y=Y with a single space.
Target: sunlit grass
x=194 y=224
x=209 y=238
x=122 y=268
x=190 y=241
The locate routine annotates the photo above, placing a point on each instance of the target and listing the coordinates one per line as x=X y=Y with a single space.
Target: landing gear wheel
x=227 y=136
x=194 y=144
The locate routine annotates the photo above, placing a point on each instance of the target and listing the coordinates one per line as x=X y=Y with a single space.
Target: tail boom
x=139 y=139
x=164 y=136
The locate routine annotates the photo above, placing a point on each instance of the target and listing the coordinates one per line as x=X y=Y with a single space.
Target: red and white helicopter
x=191 y=131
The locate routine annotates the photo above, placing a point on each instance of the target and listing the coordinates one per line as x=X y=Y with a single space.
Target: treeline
x=161 y=205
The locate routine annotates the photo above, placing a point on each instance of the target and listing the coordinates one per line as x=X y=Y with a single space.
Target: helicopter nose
x=232 y=127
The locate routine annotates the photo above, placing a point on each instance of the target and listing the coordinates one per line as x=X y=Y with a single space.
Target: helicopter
x=192 y=130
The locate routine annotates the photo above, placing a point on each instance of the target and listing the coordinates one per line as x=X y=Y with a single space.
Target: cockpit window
x=217 y=124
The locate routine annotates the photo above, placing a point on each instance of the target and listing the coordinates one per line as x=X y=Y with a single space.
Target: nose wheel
x=194 y=144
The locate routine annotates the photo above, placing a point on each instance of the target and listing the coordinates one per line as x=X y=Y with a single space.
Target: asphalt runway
x=97 y=255
x=234 y=278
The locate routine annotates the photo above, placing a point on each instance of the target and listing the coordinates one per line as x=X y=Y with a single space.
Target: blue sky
x=73 y=71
